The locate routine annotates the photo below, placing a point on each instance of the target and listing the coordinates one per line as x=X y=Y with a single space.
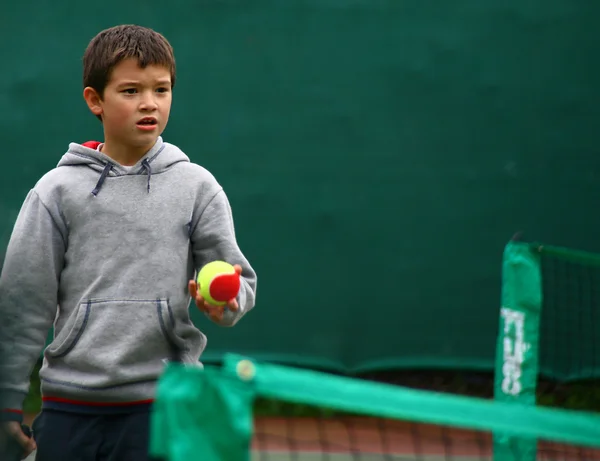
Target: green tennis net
x=208 y=415
x=549 y=341
x=570 y=327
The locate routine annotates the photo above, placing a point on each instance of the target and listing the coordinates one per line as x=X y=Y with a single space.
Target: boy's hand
x=214 y=312
x=13 y=430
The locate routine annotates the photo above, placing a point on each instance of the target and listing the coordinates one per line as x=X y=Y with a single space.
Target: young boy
x=106 y=246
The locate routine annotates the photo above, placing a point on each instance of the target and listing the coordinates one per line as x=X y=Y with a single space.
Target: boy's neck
x=124 y=155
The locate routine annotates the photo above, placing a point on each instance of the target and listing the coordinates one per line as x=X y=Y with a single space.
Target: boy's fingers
x=237 y=268
x=30 y=447
x=216 y=314
x=233 y=304
x=193 y=289
x=195 y=293
x=206 y=307
x=202 y=305
x=14 y=429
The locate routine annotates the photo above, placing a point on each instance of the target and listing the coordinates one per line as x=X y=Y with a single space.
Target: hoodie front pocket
x=117 y=339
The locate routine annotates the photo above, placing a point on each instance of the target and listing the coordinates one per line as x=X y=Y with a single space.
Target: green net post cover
x=201 y=415
x=517 y=359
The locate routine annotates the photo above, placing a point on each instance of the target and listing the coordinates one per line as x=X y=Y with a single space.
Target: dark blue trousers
x=65 y=436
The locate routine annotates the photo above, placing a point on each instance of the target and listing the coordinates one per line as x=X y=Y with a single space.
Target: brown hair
x=111 y=46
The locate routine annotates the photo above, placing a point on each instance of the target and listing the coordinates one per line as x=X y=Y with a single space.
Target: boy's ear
x=93 y=100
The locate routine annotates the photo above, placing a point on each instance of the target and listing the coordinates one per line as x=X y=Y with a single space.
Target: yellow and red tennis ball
x=219 y=282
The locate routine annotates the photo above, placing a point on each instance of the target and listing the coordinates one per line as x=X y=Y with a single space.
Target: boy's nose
x=148 y=103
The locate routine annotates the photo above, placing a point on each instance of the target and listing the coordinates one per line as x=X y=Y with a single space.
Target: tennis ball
x=219 y=282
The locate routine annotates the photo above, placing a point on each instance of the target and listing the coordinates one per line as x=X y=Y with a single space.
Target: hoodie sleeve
x=28 y=297
x=213 y=238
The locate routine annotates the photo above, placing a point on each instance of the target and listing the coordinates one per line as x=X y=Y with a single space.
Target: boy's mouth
x=147 y=121
x=147 y=124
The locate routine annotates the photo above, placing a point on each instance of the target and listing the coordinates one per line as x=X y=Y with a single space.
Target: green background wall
x=378 y=154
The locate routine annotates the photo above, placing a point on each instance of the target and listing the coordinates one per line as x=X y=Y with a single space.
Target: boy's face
x=136 y=104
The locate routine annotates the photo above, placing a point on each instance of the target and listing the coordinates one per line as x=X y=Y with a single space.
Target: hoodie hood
x=160 y=158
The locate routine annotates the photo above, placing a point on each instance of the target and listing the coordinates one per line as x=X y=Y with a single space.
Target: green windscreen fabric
x=377 y=154
x=210 y=415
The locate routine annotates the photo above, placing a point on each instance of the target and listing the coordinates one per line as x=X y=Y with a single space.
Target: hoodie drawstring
x=145 y=165
x=148 y=168
x=103 y=176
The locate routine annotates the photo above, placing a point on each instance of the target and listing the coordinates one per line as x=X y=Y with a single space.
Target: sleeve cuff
x=11 y=415
x=11 y=404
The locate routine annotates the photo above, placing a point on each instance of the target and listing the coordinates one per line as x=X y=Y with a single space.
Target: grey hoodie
x=106 y=252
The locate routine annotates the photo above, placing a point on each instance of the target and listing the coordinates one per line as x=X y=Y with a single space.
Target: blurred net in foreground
x=207 y=415
x=365 y=438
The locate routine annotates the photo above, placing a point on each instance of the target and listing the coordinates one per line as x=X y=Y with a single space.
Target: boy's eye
x=162 y=90
x=129 y=91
